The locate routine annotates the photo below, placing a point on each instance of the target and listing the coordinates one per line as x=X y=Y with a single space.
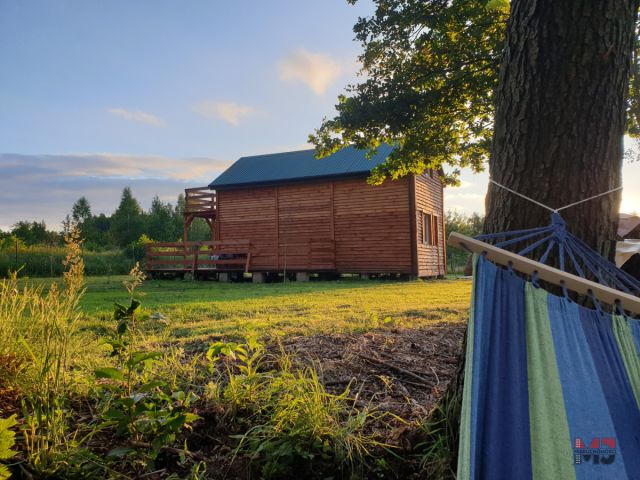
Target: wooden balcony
x=200 y=202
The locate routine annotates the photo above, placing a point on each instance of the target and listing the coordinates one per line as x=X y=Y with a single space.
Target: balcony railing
x=200 y=200
x=227 y=255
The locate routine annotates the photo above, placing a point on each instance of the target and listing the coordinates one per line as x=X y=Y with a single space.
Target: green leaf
x=119 y=311
x=122 y=328
x=134 y=307
x=191 y=417
x=113 y=414
x=109 y=372
x=152 y=385
x=7 y=437
x=501 y=5
x=120 y=452
x=139 y=357
x=175 y=423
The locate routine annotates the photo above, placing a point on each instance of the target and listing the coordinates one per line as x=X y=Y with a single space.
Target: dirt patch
x=403 y=371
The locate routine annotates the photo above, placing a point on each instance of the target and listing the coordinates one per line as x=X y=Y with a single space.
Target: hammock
x=552 y=389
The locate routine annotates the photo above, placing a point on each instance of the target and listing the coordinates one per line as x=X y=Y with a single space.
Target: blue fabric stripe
x=585 y=404
x=615 y=386
x=635 y=331
x=482 y=301
x=501 y=446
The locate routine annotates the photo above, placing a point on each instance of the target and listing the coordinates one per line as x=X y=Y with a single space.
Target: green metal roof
x=296 y=166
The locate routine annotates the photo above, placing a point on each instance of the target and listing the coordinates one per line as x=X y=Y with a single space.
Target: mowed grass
x=200 y=312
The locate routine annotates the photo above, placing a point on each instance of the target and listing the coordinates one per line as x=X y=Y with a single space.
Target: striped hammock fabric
x=552 y=389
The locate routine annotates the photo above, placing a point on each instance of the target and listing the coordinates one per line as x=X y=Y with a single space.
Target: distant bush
x=43 y=261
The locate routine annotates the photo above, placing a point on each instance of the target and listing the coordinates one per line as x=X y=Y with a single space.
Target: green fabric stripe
x=551 y=454
x=464 y=447
x=624 y=337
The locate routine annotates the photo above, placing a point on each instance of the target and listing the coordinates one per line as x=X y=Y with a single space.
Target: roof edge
x=285 y=181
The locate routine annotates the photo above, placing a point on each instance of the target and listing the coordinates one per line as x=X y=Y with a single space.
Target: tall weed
x=38 y=331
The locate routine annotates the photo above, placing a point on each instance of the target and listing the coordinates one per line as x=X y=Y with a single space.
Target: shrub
x=140 y=405
x=41 y=261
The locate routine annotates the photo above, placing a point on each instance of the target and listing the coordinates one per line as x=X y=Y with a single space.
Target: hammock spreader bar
x=552 y=275
x=572 y=252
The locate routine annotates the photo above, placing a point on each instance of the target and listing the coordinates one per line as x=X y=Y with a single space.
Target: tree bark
x=560 y=115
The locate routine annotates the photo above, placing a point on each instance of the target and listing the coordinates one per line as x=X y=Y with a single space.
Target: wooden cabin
x=291 y=213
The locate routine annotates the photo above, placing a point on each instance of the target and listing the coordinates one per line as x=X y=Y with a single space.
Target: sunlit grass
x=280 y=415
x=200 y=311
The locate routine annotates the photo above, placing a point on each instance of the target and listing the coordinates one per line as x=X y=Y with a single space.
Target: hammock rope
x=554 y=210
x=571 y=250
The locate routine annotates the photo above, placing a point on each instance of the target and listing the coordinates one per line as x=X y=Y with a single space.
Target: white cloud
x=229 y=112
x=137 y=116
x=61 y=179
x=316 y=70
x=110 y=165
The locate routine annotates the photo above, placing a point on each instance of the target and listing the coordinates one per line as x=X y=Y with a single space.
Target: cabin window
x=429 y=229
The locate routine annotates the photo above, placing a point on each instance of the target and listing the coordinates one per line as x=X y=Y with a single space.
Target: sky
x=162 y=95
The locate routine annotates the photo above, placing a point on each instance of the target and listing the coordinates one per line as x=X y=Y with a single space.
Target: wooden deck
x=196 y=257
x=236 y=256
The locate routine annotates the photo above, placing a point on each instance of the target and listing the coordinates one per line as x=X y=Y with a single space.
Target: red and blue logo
x=600 y=451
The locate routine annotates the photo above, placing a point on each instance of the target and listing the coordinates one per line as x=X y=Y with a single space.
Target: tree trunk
x=560 y=115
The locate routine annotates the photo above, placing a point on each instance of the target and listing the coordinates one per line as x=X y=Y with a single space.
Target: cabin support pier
x=258 y=277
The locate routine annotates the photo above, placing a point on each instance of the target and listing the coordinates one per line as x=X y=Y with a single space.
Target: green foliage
x=128 y=229
x=298 y=426
x=137 y=403
x=163 y=222
x=469 y=225
x=141 y=406
x=34 y=233
x=7 y=442
x=142 y=400
x=127 y=223
x=430 y=69
x=81 y=211
x=501 y=5
x=38 y=331
x=46 y=261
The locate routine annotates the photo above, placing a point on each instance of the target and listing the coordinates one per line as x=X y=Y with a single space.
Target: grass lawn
x=209 y=310
x=319 y=390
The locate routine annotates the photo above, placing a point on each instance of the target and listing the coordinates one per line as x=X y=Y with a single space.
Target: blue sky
x=161 y=95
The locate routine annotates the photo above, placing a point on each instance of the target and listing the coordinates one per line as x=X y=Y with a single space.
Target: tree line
x=128 y=227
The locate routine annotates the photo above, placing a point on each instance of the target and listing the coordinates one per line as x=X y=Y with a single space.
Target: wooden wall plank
x=369 y=227
x=429 y=199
